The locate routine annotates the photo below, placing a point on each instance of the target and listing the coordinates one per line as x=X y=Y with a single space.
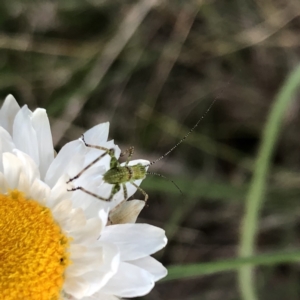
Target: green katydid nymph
x=119 y=175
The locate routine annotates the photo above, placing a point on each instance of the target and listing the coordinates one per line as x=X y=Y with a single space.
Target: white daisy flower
x=56 y=244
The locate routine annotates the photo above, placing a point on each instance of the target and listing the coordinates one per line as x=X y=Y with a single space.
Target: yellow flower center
x=33 y=250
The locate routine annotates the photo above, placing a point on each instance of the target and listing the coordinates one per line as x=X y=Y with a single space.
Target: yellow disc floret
x=33 y=250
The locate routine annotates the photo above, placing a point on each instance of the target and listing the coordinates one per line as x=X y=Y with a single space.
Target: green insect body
x=117 y=175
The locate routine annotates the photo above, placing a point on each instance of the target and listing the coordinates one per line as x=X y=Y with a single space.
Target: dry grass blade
x=110 y=52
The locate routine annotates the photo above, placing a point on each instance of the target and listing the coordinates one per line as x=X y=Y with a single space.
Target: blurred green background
x=152 y=68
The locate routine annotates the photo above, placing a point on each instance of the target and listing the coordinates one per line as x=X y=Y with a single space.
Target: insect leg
x=90 y=193
x=130 y=153
x=87 y=167
x=125 y=197
x=116 y=208
x=141 y=190
x=110 y=152
x=125 y=191
x=115 y=189
x=95 y=146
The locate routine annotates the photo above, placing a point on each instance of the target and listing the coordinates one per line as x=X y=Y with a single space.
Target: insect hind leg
x=97 y=147
x=125 y=194
x=90 y=193
x=114 y=190
x=87 y=167
x=110 y=152
x=141 y=190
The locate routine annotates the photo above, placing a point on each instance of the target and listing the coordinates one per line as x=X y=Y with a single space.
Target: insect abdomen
x=119 y=175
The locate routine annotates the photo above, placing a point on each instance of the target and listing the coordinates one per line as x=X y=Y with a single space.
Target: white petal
x=41 y=125
x=76 y=219
x=24 y=134
x=89 y=233
x=8 y=112
x=61 y=212
x=88 y=261
x=93 y=153
x=58 y=192
x=101 y=296
x=24 y=184
x=110 y=265
x=91 y=282
x=6 y=144
x=40 y=191
x=29 y=166
x=97 y=134
x=154 y=267
x=60 y=163
x=76 y=286
x=12 y=169
x=83 y=200
x=135 y=240
x=77 y=251
x=97 y=209
x=89 y=203
x=134 y=162
x=129 y=281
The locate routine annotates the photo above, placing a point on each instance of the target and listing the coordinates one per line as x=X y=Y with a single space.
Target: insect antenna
x=191 y=130
x=159 y=175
